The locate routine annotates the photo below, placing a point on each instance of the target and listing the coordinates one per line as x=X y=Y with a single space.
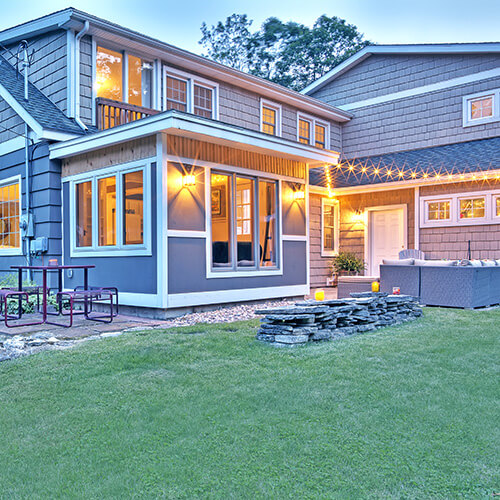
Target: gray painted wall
x=426 y=120
x=129 y=274
x=187 y=268
x=383 y=74
x=45 y=201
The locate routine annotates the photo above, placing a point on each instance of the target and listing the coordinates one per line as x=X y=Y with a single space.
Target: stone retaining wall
x=330 y=319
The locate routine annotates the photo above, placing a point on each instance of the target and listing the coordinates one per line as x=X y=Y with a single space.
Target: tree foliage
x=290 y=53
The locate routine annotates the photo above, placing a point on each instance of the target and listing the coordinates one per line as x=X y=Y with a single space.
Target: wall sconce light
x=358 y=217
x=188 y=180
x=299 y=194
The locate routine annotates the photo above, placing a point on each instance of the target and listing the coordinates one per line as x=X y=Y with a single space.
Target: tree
x=290 y=54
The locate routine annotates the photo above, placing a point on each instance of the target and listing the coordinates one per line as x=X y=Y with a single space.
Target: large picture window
x=10 y=212
x=243 y=222
x=110 y=212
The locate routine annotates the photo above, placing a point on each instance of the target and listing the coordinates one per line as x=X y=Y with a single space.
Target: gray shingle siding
x=383 y=74
x=86 y=80
x=421 y=121
x=10 y=123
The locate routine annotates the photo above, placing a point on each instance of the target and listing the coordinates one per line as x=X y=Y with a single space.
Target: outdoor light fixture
x=299 y=195
x=358 y=217
x=188 y=180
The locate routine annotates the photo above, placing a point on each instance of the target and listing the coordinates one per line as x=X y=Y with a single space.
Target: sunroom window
x=472 y=208
x=110 y=211
x=243 y=222
x=10 y=238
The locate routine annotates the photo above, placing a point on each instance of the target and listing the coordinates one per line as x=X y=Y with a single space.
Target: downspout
x=78 y=37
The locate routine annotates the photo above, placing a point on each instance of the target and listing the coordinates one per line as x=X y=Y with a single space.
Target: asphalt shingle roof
x=459 y=158
x=40 y=107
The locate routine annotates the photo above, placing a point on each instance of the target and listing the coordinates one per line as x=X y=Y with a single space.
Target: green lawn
x=405 y=412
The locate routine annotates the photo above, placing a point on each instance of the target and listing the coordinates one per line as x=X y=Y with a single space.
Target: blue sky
x=381 y=21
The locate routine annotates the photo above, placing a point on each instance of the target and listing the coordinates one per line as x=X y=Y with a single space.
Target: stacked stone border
x=310 y=321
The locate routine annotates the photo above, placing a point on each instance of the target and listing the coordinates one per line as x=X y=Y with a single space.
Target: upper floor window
x=312 y=131
x=190 y=94
x=481 y=108
x=270 y=118
x=124 y=77
x=10 y=211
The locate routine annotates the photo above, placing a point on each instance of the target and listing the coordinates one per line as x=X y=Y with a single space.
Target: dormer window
x=190 y=94
x=124 y=77
x=481 y=108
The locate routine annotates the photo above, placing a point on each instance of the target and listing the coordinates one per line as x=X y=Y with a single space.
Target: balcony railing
x=113 y=113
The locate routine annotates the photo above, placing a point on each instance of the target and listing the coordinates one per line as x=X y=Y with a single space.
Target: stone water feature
x=310 y=320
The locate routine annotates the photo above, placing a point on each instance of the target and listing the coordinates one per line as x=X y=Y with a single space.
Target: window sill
x=8 y=252
x=244 y=274
x=481 y=121
x=111 y=252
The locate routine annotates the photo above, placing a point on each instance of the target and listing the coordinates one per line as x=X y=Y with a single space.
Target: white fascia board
x=35 y=27
x=176 y=56
x=195 y=128
x=54 y=135
x=459 y=48
x=389 y=186
x=25 y=116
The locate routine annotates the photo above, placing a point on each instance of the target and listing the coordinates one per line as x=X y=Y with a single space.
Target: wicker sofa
x=446 y=286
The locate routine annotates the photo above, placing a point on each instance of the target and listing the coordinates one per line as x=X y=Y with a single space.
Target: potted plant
x=347 y=264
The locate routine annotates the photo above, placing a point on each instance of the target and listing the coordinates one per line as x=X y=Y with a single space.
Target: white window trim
x=443 y=199
x=120 y=249
x=264 y=103
x=223 y=273
x=454 y=199
x=191 y=81
x=466 y=108
x=314 y=121
x=154 y=77
x=494 y=206
x=7 y=182
x=333 y=203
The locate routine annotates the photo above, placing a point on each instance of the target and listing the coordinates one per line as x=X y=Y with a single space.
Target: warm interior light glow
x=299 y=195
x=188 y=180
x=358 y=217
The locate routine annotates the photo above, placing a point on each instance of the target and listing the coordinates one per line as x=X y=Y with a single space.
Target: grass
x=405 y=412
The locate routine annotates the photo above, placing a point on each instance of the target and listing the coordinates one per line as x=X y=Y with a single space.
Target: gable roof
x=365 y=52
x=416 y=165
x=74 y=19
x=39 y=112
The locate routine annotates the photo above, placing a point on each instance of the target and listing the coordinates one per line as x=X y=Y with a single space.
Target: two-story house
x=420 y=164
x=183 y=181
x=188 y=183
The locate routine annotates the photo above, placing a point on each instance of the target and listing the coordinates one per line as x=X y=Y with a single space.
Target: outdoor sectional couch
x=447 y=286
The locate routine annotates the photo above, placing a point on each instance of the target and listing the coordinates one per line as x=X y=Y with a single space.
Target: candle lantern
x=319 y=295
x=375 y=286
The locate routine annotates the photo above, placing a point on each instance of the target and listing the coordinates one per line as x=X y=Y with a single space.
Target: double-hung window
x=10 y=213
x=243 y=217
x=270 y=118
x=329 y=227
x=481 y=108
x=111 y=212
x=312 y=131
x=190 y=94
x=124 y=77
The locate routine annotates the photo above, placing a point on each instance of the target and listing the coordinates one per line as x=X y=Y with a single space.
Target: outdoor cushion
x=438 y=263
x=467 y=262
x=488 y=263
x=402 y=262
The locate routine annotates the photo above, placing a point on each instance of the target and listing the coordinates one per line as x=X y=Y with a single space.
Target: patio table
x=45 y=270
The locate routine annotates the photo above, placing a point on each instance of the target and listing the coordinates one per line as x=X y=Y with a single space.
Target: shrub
x=347 y=262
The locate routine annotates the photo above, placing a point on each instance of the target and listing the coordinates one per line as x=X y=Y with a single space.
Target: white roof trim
x=457 y=48
x=25 y=116
x=196 y=128
x=389 y=186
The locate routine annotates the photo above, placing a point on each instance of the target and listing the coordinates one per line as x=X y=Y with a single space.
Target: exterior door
x=386 y=237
